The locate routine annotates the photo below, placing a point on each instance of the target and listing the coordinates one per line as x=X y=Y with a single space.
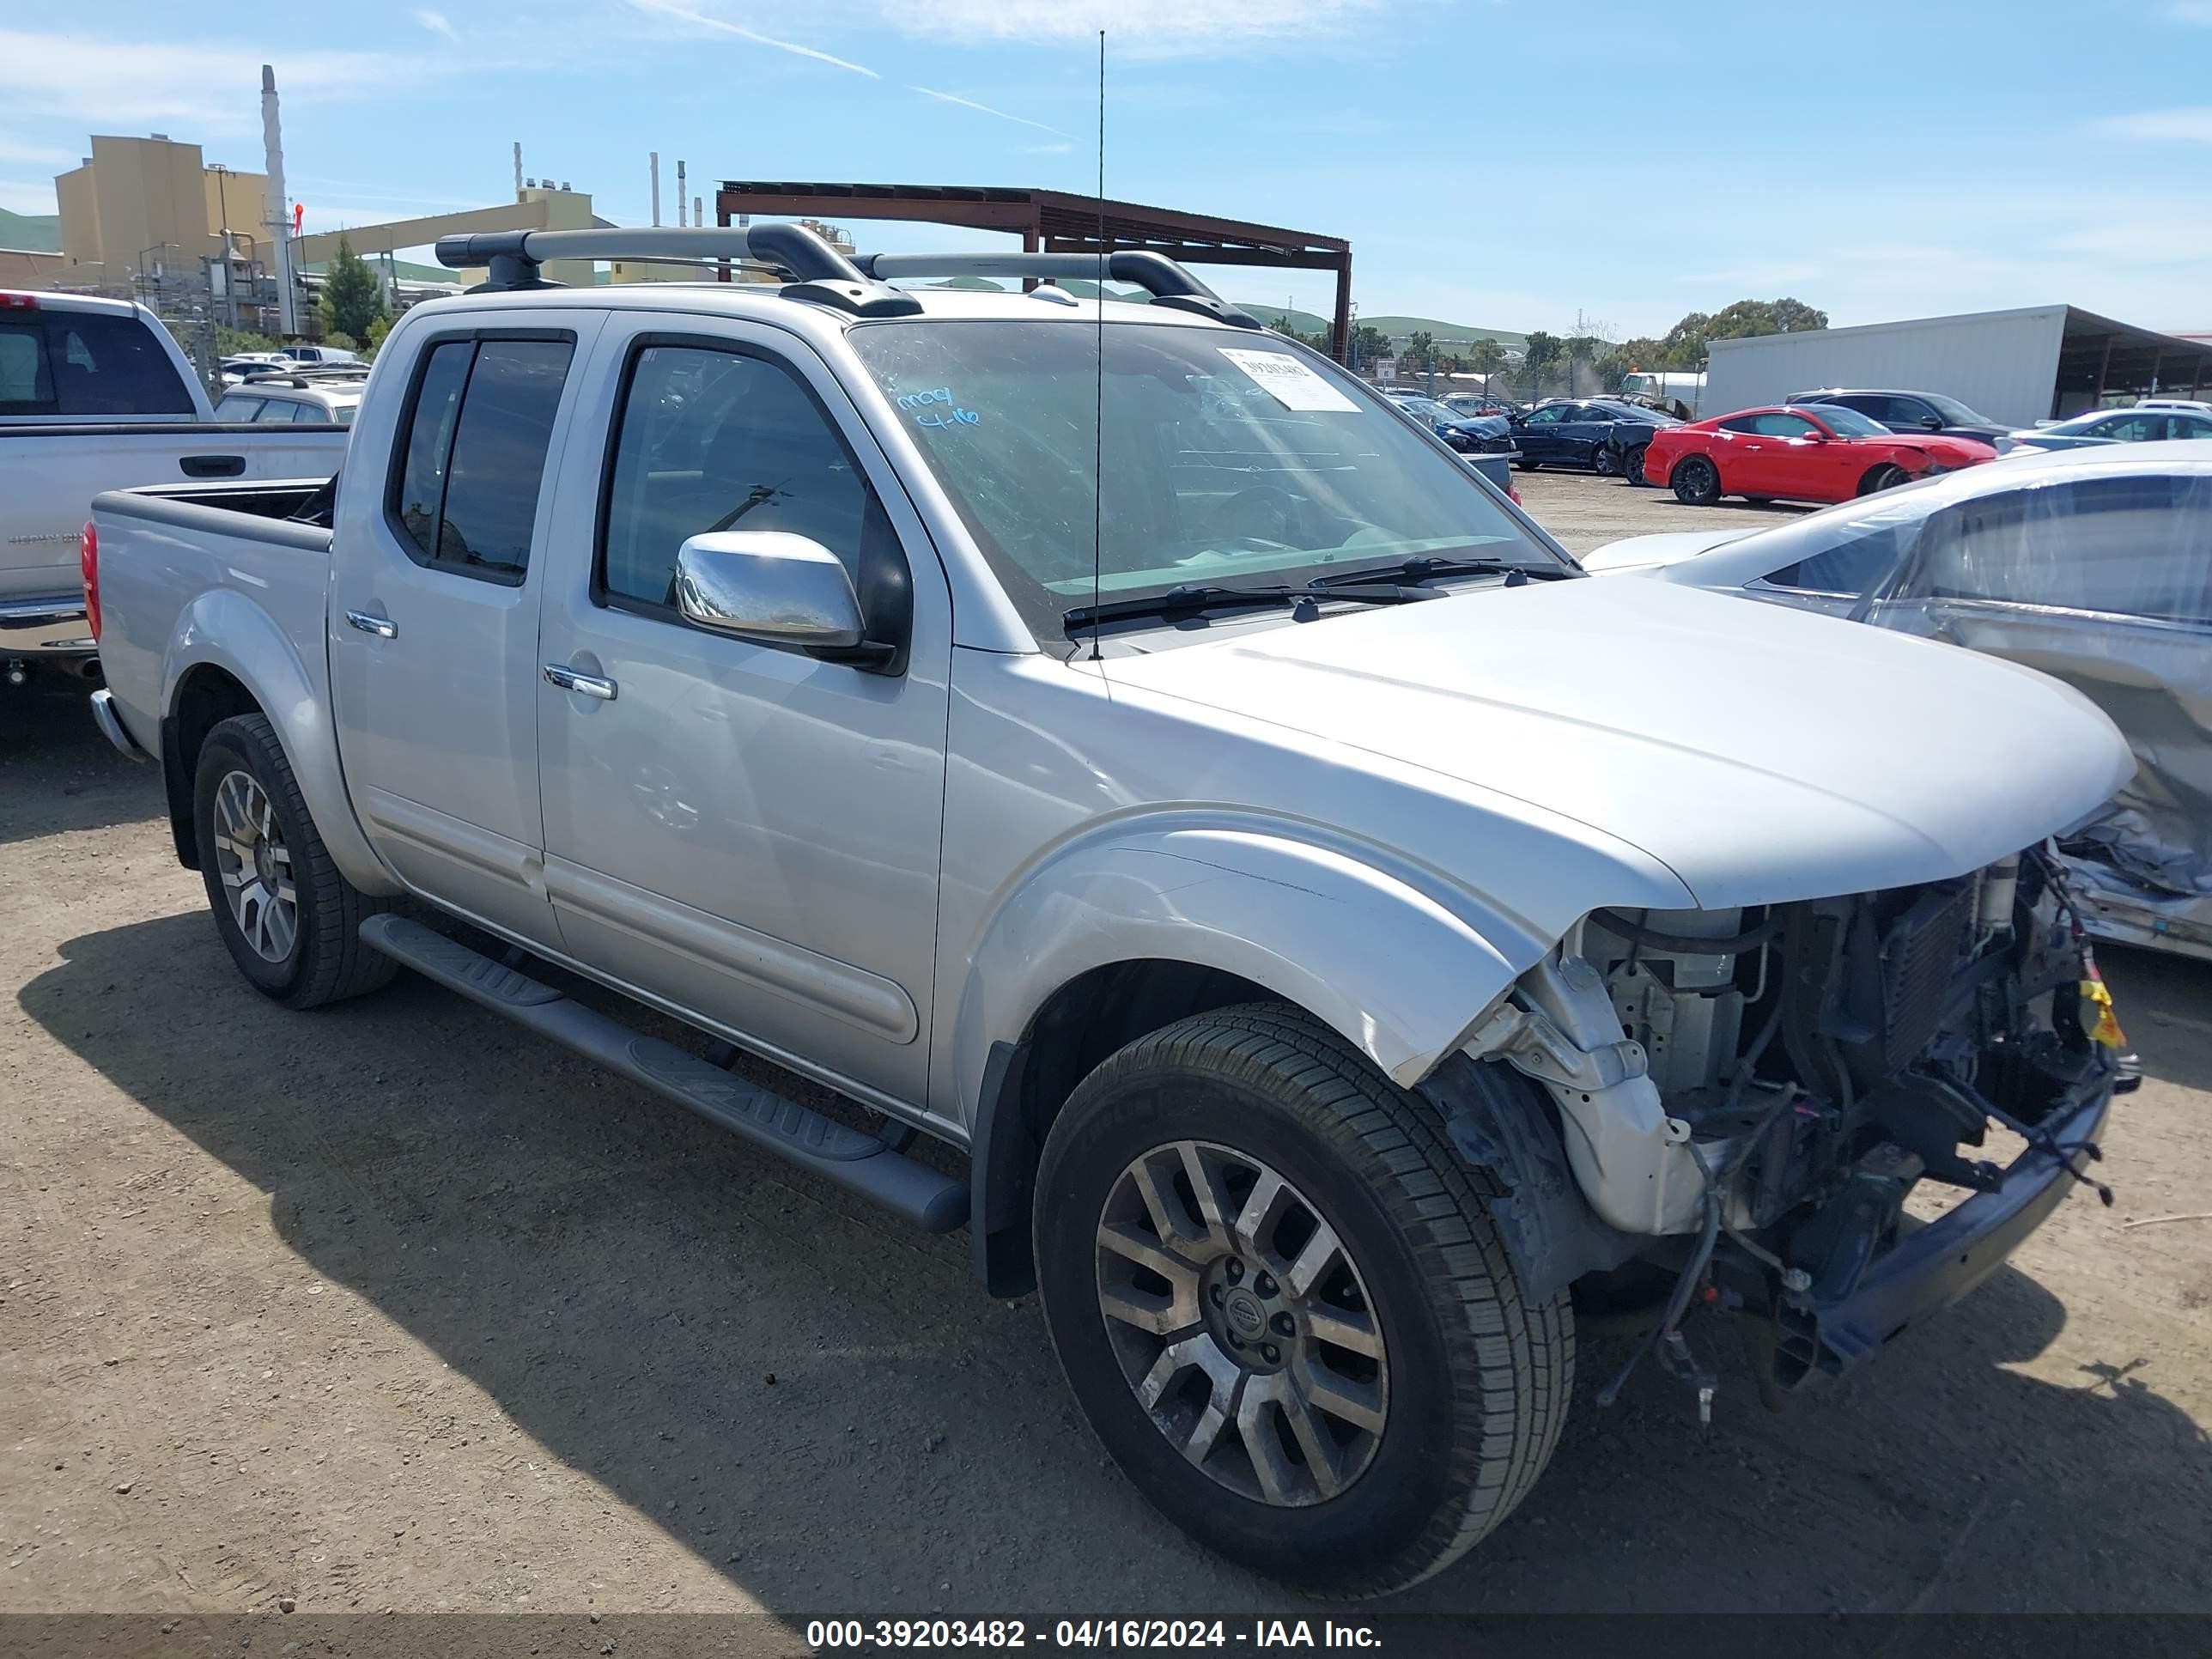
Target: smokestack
x=655 y=158
x=280 y=206
x=698 y=211
x=517 y=169
x=680 y=197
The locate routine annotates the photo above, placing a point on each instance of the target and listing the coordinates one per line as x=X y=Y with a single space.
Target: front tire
x=1280 y=1299
x=1605 y=462
x=290 y=921
x=1697 y=482
x=1887 y=475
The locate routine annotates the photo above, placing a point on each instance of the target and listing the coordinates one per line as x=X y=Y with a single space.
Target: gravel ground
x=391 y=1306
x=1585 y=512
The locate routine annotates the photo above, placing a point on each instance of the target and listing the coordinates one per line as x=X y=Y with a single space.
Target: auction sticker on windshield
x=1291 y=382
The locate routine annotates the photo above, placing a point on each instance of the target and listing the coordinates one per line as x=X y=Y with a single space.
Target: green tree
x=374 y=340
x=352 y=298
x=1369 y=343
x=1419 y=356
x=1487 y=356
x=1543 y=351
x=1687 y=342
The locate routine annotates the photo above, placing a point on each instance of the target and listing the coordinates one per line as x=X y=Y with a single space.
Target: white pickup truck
x=1346 y=942
x=96 y=395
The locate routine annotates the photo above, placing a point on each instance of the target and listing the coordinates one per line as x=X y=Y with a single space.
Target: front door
x=434 y=617
x=743 y=831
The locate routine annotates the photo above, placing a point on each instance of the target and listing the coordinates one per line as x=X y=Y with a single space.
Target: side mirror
x=1933 y=423
x=772 y=588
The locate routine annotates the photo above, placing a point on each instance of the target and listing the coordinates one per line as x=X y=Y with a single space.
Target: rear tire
x=1887 y=475
x=1452 y=1398
x=1697 y=482
x=1605 y=462
x=291 y=922
x=1631 y=467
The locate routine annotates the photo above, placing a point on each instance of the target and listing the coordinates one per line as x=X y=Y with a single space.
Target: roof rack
x=514 y=259
x=1169 y=283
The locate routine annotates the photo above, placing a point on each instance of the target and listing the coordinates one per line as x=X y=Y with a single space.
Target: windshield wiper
x=1195 y=601
x=1427 y=570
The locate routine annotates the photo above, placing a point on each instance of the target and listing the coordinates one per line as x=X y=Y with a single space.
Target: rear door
x=434 y=627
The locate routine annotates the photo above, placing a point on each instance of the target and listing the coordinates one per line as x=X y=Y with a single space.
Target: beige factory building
x=138 y=203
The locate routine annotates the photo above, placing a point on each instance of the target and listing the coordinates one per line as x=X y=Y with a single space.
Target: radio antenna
x=1098 y=397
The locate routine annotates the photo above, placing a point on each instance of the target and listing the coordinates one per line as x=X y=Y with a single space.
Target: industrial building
x=139 y=207
x=2019 y=367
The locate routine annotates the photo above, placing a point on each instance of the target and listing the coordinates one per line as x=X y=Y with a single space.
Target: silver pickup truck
x=95 y=395
x=1339 y=943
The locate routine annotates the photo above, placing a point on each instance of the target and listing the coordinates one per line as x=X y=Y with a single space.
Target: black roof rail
x=514 y=258
x=1169 y=283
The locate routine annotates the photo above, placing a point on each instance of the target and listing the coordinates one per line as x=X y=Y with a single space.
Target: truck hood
x=1763 y=754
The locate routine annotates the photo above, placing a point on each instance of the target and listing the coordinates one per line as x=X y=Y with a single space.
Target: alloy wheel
x=1242 y=1323
x=255 y=867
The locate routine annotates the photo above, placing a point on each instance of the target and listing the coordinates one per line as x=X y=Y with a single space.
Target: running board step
x=861 y=1164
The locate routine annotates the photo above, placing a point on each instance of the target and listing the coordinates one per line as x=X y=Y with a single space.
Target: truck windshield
x=1225 y=458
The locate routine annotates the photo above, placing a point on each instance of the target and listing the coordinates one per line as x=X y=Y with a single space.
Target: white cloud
x=2190 y=126
x=701 y=19
x=135 y=84
x=1134 y=28
x=438 y=23
x=1046 y=149
x=23 y=196
x=36 y=155
x=969 y=103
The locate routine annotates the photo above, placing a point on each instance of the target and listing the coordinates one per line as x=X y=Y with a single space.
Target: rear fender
x=225 y=630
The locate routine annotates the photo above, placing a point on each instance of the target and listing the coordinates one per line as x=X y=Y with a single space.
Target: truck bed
x=254 y=580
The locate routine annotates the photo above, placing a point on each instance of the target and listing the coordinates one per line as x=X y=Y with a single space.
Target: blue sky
x=1505 y=162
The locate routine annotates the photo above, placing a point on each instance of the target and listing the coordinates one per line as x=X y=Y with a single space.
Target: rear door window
x=474 y=452
x=109 y=365
x=239 y=409
x=27 y=382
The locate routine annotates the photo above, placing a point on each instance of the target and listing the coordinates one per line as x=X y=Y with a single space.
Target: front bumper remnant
x=1931 y=1266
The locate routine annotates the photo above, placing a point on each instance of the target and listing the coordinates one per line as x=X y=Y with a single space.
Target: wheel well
x=205 y=697
x=1028 y=1081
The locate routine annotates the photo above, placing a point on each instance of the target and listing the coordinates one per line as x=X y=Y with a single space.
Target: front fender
x=1397 y=963
x=224 y=629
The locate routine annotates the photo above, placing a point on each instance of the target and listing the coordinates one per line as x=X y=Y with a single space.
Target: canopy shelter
x=1055 y=221
x=2099 y=359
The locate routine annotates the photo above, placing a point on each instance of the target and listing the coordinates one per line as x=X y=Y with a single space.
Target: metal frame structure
x=1056 y=222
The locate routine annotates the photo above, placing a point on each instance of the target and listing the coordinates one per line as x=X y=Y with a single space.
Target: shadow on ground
x=57 y=773
x=810 y=1399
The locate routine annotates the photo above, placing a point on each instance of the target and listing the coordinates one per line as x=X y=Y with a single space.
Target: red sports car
x=1805 y=452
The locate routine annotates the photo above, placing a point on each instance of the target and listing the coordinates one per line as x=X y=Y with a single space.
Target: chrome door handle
x=383 y=627
x=586 y=685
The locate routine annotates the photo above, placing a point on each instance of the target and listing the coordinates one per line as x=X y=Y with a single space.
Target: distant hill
x=41 y=233
x=1399 y=329
x=400 y=269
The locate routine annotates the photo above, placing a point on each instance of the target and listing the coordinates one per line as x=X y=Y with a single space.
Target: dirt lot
x=1584 y=512
x=390 y=1306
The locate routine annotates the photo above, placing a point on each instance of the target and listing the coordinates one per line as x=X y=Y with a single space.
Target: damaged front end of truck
x=1735 y=1105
